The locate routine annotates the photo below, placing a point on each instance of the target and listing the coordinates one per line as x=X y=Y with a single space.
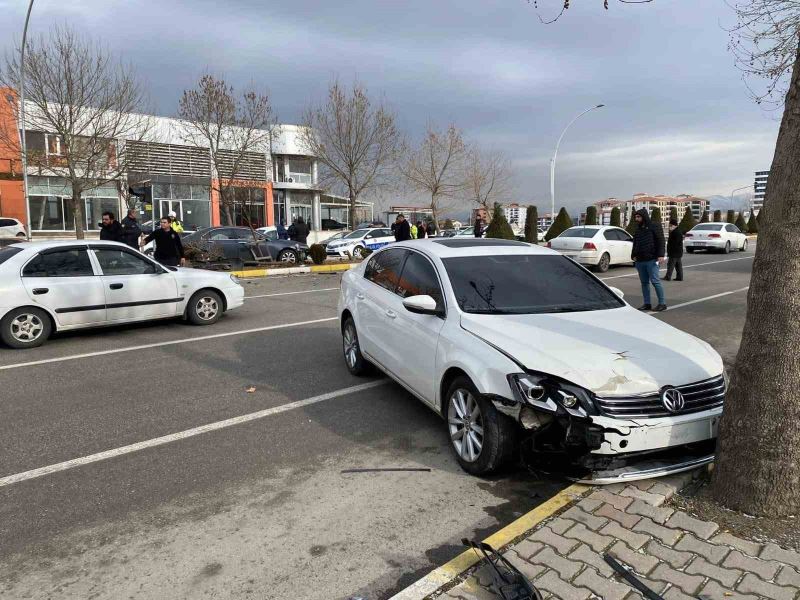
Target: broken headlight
x=548 y=394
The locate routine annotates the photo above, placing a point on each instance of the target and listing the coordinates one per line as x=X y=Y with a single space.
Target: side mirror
x=421 y=305
x=617 y=291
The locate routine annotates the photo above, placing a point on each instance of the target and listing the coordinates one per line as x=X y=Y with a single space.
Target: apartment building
x=760 y=190
x=650 y=202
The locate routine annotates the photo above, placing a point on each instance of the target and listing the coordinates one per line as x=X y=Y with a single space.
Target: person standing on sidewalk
x=131 y=232
x=169 y=249
x=674 y=252
x=402 y=232
x=477 y=231
x=110 y=229
x=647 y=255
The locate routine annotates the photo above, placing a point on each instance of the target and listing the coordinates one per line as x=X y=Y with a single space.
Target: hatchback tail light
x=689 y=235
x=714 y=235
x=589 y=246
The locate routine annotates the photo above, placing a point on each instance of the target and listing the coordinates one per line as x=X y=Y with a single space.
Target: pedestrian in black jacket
x=477 y=231
x=131 y=232
x=298 y=231
x=648 y=254
x=674 y=252
x=402 y=231
x=169 y=249
x=110 y=229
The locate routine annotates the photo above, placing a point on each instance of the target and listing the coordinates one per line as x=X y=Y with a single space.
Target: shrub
x=752 y=224
x=448 y=224
x=591 y=215
x=717 y=216
x=655 y=215
x=499 y=227
x=560 y=225
x=532 y=225
x=631 y=226
x=616 y=221
x=741 y=223
x=731 y=217
x=688 y=221
x=704 y=218
x=317 y=253
x=673 y=213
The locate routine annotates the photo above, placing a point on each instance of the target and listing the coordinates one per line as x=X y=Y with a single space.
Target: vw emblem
x=672 y=400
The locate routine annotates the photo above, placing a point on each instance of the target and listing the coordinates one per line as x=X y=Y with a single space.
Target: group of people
x=404 y=230
x=168 y=250
x=649 y=248
x=298 y=231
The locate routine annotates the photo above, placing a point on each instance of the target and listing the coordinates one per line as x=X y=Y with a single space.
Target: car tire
x=351 y=348
x=288 y=256
x=204 y=308
x=744 y=246
x=21 y=235
x=727 y=248
x=465 y=410
x=603 y=263
x=26 y=327
x=358 y=252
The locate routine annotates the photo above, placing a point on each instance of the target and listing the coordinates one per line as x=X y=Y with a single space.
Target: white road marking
x=681 y=305
x=168 y=343
x=715 y=262
x=182 y=435
x=292 y=293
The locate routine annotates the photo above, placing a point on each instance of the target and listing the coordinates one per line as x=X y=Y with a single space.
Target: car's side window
x=73 y=262
x=371 y=235
x=419 y=279
x=271 y=235
x=221 y=234
x=7 y=222
x=384 y=268
x=610 y=234
x=121 y=262
x=624 y=235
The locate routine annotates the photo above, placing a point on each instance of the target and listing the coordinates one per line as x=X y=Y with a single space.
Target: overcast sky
x=677 y=119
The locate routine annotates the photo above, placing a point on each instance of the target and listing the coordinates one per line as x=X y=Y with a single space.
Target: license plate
x=699 y=243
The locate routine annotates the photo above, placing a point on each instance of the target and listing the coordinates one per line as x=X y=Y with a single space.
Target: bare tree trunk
x=353 y=215
x=758 y=461
x=226 y=210
x=79 y=213
x=435 y=212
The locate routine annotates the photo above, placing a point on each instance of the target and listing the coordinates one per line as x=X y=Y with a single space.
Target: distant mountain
x=724 y=202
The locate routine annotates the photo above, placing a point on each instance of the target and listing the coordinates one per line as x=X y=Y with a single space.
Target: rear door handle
x=359 y=296
x=391 y=314
x=116 y=286
x=40 y=291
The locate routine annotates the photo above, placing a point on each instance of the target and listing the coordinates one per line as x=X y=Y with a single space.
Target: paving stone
x=604 y=587
x=700 y=566
x=663 y=488
x=583 y=534
x=676 y=559
x=585 y=554
x=552 y=583
x=714 y=591
x=615 y=488
x=642 y=484
x=530 y=571
x=712 y=553
x=657 y=586
x=592 y=522
x=638 y=561
x=548 y=537
x=618 y=502
x=763 y=568
x=774 y=552
x=560 y=525
x=589 y=504
x=526 y=548
x=567 y=569
x=623 y=518
x=751 y=584
x=702 y=529
x=665 y=534
x=674 y=593
x=745 y=546
x=634 y=540
x=469 y=591
x=652 y=499
x=788 y=576
x=659 y=515
x=688 y=583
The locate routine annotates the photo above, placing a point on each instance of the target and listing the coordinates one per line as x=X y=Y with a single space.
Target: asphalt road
x=257 y=507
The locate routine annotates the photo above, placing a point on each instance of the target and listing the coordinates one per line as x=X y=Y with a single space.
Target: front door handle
x=116 y=286
x=359 y=296
x=40 y=291
x=391 y=314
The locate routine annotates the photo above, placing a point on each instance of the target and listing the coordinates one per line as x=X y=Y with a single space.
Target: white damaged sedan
x=58 y=286
x=522 y=351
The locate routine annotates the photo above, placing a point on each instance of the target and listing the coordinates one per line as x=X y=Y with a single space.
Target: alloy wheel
x=207 y=308
x=357 y=252
x=350 y=342
x=26 y=328
x=605 y=261
x=288 y=257
x=465 y=423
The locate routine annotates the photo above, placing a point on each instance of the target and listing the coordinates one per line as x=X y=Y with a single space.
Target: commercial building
x=649 y=202
x=760 y=190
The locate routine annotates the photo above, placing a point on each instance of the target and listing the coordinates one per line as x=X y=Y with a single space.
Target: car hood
x=184 y=274
x=610 y=352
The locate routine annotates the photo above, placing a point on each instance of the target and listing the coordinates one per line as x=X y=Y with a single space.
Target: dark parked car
x=332 y=224
x=237 y=244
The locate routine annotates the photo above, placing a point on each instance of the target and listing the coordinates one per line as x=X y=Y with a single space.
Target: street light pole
x=553 y=163
x=22 y=121
x=745 y=187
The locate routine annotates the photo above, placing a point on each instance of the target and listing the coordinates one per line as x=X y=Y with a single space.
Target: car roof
x=451 y=248
x=714 y=223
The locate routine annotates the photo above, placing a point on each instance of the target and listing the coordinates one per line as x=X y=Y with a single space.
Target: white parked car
x=353 y=243
x=517 y=347
x=596 y=246
x=722 y=237
x=57 y=286
x=11 y=228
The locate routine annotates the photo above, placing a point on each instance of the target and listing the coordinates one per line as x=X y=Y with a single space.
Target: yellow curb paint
x=450 y=570
x=332 y=268
x=252 y=273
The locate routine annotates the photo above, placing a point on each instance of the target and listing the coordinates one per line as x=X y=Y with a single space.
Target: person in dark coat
x=648 y=254
x=169 y=249
x=298 y=231
x=402 y=231
x=422 y=232
x=281 y=231
x=110 y=229
x=478 y=231
x=674 y=252
x=131 y=232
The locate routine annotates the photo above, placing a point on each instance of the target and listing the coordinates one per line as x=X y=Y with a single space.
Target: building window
x=190 y=203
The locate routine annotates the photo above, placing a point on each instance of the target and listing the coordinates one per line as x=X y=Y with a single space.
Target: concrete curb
x=254 y=273
x=449 y=571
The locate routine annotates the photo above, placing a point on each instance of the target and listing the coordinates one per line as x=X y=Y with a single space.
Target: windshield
x=8 y=252
x=355 y=235
x=580 y=232
x=707 y=228
x=525 y=284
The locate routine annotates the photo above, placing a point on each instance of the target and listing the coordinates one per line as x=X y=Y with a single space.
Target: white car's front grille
x=703 y=395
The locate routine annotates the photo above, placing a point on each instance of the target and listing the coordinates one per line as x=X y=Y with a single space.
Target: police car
x=353 y=244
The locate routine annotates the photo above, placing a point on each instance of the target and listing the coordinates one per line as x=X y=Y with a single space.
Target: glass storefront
x=300 y=205
x=248 y=208
x=279 y=206
x=49 y=199
x=191 y=204
x=50 y=213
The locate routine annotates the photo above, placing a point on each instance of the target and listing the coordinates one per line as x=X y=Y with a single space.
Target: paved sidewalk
x=675 y=554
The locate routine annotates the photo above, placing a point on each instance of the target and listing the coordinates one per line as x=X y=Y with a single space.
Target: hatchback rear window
x=580 y=232
x=6 y=253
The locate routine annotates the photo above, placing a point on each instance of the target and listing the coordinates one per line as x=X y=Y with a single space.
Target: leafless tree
x=437 y=168
x=565 y=4
x=357 y=142
x=238 y=132
x=87 y=103
x=487 y=178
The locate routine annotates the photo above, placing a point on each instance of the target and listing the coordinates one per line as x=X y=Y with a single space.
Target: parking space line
x=682 y=304
x=715 y=262
x=292 y=293
x=168 y=343
x=182 y=435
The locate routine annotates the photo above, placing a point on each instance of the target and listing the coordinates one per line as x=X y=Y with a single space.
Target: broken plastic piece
x=630 y=578
x=507 y=581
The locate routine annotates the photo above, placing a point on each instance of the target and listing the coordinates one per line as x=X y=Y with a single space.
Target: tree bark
x=758 y=452
x=353 y=214
x=79 y=213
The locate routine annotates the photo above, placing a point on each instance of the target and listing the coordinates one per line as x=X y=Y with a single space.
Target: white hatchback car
x=519 y=348
x=596 y=246
x=57 y=286
x=11 y=228
x=722 y=237
x=353 y=243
